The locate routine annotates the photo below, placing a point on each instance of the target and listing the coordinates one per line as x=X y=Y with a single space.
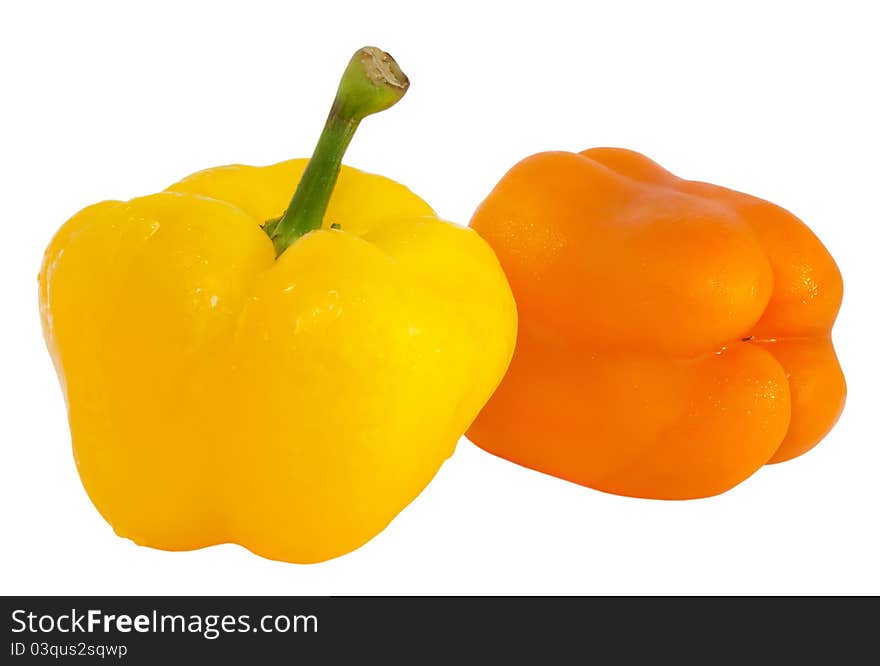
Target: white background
x=778 y=99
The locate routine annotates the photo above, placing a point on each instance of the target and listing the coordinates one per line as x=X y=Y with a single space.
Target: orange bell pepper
x=675 y=336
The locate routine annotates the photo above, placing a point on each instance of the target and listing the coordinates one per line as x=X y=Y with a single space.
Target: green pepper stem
x=372 y=82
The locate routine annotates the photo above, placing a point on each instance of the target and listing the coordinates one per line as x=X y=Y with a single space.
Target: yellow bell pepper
x=293 y=405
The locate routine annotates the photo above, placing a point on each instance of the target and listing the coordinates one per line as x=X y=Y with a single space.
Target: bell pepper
x=674 y=335
x=288 y=388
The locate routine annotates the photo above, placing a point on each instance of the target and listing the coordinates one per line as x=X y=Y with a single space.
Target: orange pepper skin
x=674 y=336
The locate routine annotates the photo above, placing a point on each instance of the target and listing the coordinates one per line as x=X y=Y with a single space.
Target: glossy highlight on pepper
x=293 y=405
x=674 y=336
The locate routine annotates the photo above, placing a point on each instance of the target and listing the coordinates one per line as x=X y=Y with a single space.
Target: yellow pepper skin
x=294 y=405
